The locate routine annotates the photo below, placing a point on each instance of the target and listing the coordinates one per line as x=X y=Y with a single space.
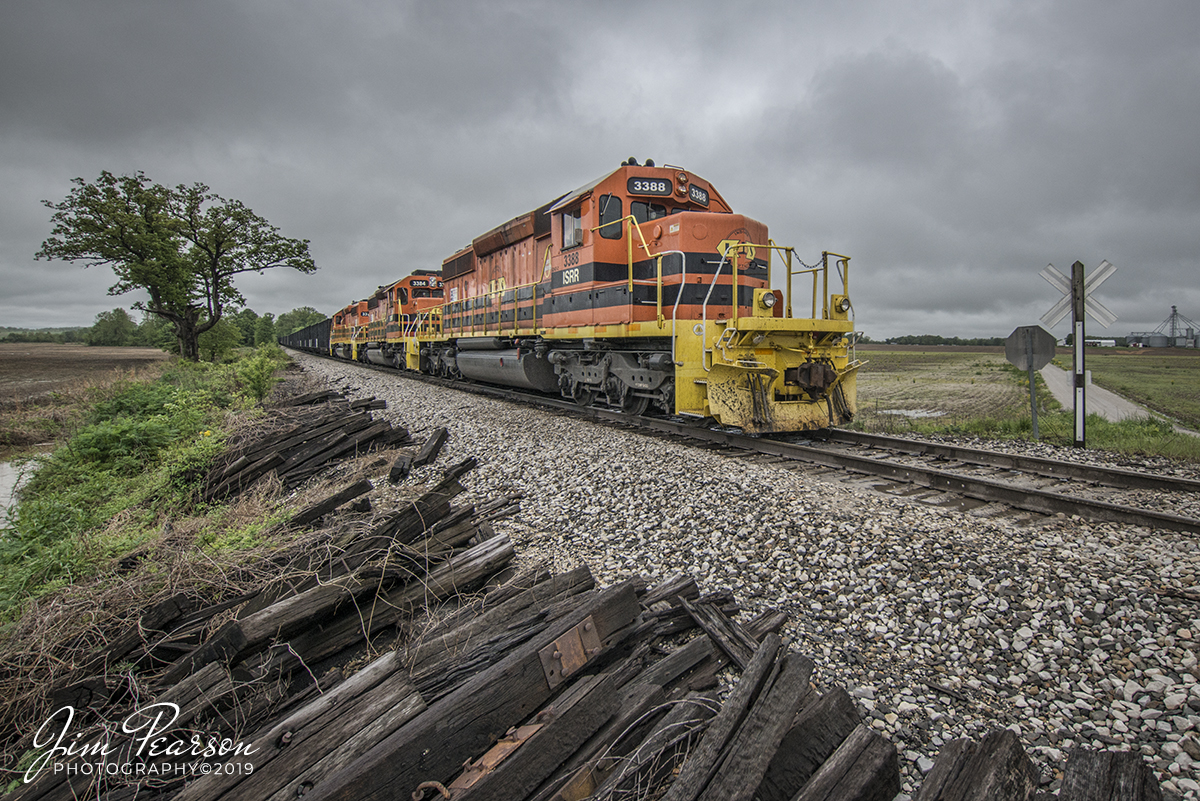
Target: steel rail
x=1026 y=499
x=1108 y=476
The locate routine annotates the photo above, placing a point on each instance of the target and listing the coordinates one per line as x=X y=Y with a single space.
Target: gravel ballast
x=940 y=623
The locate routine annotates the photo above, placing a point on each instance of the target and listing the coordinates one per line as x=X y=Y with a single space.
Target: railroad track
x=1030 y=484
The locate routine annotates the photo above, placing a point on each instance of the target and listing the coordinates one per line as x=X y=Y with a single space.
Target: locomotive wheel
x=582 y=395
x=636 y=405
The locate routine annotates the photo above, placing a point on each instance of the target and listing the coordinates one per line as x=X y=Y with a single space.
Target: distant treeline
x=117 y=328
x=59 y=335
x=933 y=339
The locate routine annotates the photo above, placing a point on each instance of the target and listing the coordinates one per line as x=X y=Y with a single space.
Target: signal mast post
x=1076 y=292
x=1030 y=348
x=1078 y=295
x=1032 y=386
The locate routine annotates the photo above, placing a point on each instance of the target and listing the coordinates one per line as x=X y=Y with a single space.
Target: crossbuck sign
x=1092 y=306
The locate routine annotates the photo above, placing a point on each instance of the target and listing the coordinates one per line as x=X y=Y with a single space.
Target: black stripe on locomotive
x=463 y=313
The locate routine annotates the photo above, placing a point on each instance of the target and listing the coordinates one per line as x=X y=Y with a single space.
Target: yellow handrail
x=629 y=258
x=496 y=302
x=843 y=263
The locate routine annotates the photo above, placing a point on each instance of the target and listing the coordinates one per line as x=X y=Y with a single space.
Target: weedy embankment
x=110 y=521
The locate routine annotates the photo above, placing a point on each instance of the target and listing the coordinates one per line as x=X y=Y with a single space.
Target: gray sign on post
x=1030 y=348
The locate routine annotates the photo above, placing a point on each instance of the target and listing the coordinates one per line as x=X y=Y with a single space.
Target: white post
x=1077 y=314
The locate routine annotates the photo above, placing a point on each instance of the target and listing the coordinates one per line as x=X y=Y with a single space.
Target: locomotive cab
x=609 y=234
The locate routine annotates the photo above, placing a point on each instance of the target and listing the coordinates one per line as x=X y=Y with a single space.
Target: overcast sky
x=952 y=149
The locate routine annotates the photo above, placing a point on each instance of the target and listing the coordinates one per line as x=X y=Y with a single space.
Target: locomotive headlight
x=768 y=300
x=843 y=305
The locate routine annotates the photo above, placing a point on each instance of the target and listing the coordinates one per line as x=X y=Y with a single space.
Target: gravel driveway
x=1099 y=400
x=941 y=623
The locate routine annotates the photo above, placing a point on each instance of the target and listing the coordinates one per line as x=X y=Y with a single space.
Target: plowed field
x=33 y=371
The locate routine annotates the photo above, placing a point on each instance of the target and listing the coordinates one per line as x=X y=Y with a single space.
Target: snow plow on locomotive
x=640 y=290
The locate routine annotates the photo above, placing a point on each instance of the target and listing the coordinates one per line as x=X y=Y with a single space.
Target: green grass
x=1166 y=380
x=979 y=394
x=136 y=458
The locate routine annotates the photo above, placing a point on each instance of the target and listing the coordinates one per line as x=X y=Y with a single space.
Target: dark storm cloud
x=958 y=173
x=953 y=151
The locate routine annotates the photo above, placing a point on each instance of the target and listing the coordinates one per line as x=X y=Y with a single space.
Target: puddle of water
x=11 y=475
x=913 y=412
x=8 y=482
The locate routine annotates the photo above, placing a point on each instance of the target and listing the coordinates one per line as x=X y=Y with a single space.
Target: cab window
x=403 y=294
x=611 y=226
x=572 y=228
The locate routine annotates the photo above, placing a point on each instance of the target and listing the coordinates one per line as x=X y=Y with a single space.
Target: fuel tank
x=510 y=368
x=377 y=356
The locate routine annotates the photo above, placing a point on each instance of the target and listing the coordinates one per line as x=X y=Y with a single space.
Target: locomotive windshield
x=611 y=226
x=644 y=212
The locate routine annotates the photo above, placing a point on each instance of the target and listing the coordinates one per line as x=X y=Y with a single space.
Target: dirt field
x=33 y=371
x=952 y=383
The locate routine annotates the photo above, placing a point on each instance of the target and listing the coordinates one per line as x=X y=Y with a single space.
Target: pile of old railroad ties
x=403 y=656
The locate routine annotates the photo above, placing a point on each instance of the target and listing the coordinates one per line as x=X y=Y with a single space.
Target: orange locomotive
x=348 y=332
x=381 y=328
x=643 y=288
x=401 y=314
x=640 y=289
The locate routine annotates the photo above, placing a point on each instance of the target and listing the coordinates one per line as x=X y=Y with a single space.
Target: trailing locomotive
x=642 y=289
x=380 y=328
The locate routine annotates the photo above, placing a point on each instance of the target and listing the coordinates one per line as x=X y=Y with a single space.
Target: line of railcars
x=642 y=289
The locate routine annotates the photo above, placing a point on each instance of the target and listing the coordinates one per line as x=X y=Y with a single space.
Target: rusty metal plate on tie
x=566 y=655
x=495 y=755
